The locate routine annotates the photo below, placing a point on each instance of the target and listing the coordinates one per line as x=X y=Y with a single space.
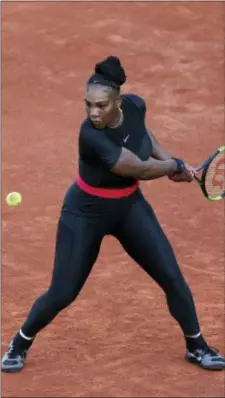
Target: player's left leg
x=144 y=240
x=78 y=242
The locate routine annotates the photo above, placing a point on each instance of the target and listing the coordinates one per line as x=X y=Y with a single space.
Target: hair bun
x=112 y=70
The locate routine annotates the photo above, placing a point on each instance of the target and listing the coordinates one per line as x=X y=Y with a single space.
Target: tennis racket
x=212 y=179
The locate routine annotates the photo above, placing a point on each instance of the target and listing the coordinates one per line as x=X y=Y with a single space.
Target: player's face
x=102 y=106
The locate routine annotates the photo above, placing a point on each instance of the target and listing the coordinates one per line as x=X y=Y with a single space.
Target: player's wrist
x=180 y=166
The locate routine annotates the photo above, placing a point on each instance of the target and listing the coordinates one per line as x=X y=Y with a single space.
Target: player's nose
x=94 y=113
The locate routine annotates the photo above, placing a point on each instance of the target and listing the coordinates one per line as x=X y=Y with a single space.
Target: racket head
x=213 y=176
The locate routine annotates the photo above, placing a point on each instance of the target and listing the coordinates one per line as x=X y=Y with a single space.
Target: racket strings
x=215 y=176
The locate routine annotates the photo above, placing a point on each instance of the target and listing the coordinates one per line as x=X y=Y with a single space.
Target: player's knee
x=62 y=299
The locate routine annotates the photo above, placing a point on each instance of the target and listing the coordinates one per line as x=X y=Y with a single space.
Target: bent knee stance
x=45 y=309
x=60 y=299
x=75 y=254
x=54 y=301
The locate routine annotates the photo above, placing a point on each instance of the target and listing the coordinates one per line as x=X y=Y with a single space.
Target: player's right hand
x=186 y=176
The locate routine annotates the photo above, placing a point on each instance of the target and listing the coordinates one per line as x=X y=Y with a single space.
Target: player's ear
x=118 y=102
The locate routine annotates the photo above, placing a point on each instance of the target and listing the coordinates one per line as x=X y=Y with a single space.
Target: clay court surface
x=117 y=339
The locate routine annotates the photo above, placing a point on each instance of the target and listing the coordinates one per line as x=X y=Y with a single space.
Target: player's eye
x=87 y=104
x=102 y=106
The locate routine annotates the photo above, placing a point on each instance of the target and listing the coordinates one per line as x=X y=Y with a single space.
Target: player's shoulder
x=136 y=100
x=86 y=126
x=89 y=135
x=86 y=129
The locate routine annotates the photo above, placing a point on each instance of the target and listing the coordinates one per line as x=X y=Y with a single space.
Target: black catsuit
x=85 y=219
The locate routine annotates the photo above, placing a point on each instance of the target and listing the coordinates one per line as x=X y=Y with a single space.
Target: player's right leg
x=77 y=247
x=145 y=241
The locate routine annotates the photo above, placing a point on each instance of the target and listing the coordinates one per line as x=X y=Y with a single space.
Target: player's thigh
x=145 y=241
x=78 y=242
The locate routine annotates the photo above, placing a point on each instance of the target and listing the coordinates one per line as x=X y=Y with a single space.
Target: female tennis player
x=116 y=151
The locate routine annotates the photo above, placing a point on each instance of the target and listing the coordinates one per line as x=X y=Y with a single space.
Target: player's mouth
x=98 y=123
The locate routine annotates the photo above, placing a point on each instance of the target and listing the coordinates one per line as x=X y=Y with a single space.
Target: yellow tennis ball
x=13 y=199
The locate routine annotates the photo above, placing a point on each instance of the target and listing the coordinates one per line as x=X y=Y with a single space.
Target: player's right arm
x=130 y=165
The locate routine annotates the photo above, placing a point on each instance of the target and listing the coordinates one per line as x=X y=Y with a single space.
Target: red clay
x=118 y=339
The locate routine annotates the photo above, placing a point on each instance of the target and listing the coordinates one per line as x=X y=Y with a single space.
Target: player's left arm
x=158 y=151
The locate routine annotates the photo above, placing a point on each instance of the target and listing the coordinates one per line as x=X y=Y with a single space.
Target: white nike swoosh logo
x=126 y=138
x=197 y=357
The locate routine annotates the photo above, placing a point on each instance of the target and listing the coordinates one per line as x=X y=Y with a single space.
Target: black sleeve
x=138 y=102
x=96 y=148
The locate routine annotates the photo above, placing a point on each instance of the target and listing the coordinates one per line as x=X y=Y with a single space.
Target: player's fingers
x=191 y=169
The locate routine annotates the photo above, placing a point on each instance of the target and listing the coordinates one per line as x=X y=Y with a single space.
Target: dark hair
x=109 y=72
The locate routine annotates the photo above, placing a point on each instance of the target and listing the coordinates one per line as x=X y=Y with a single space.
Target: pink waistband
x=110 y=193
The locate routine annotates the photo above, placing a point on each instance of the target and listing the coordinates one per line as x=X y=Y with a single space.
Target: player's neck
x=118 y=120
